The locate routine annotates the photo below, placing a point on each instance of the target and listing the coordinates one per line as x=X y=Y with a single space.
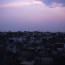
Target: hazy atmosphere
x=32 y=15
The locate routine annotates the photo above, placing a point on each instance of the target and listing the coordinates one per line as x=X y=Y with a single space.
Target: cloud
x=33 y=13
x=32 y=17
x=21 y=3
x=49 y=2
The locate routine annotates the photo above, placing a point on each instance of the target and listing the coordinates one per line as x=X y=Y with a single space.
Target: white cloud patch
x=22 y=3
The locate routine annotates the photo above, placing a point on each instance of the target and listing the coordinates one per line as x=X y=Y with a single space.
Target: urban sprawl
x=32 y=48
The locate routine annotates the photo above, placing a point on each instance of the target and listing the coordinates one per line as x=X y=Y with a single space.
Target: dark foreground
x=32 y=48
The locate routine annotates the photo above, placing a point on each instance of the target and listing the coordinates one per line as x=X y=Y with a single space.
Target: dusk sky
x=32 y=15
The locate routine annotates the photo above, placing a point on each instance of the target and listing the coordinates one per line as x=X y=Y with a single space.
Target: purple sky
x=31 y=15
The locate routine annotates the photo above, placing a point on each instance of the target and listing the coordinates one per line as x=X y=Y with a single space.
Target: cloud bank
x=49 y=2
x=21 y=3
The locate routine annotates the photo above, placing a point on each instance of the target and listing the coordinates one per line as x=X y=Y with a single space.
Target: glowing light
x=23 y=3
